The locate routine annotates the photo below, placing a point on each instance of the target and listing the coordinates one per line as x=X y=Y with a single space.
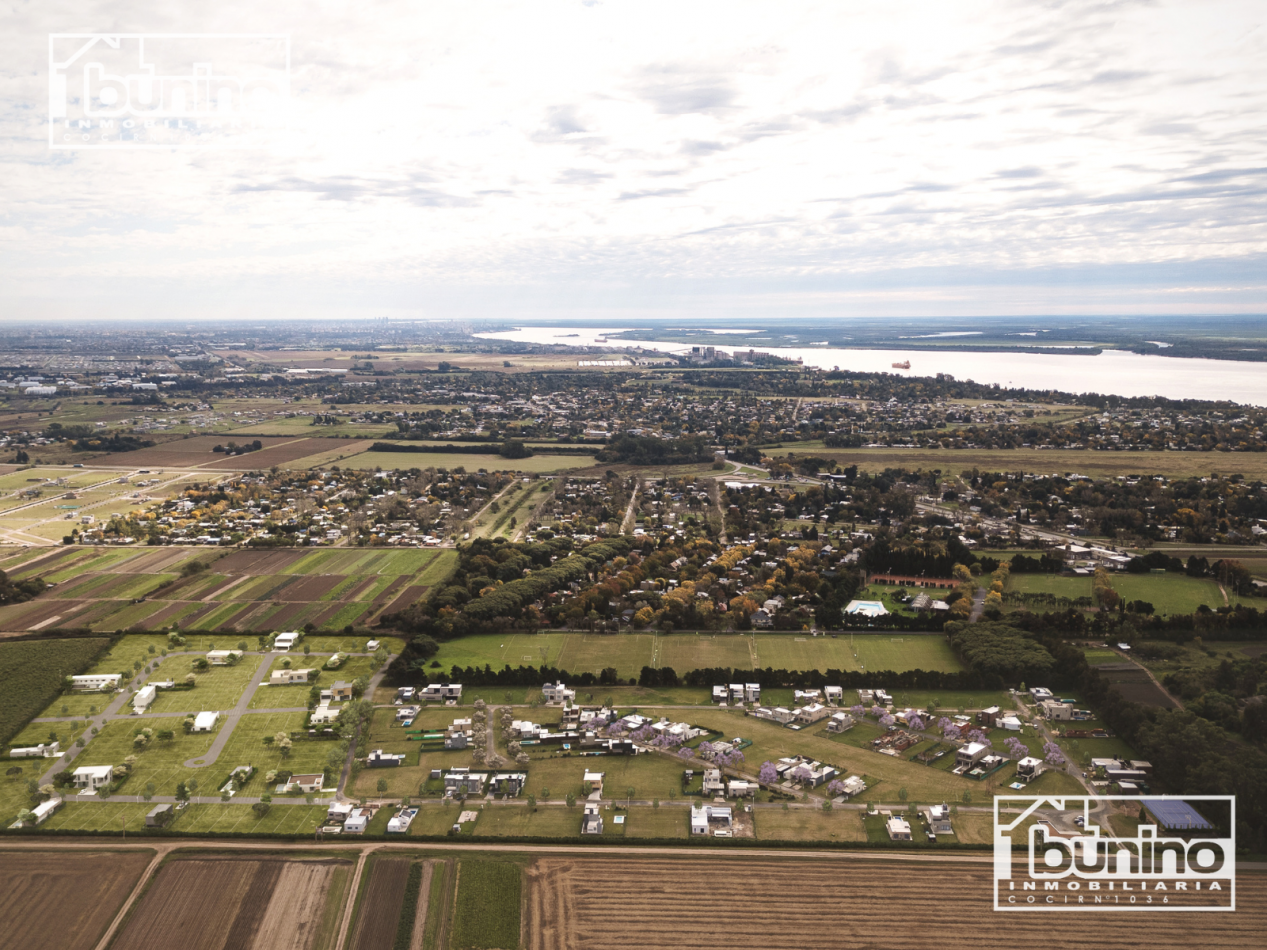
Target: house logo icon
x=134 y=90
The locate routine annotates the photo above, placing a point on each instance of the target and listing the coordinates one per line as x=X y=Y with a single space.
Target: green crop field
x=113 y=816
x=33 y=672
x=486 y=908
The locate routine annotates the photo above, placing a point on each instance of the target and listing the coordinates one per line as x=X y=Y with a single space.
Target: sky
x=693 y=160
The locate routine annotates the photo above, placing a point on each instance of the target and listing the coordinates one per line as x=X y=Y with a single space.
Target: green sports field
x=629 y=653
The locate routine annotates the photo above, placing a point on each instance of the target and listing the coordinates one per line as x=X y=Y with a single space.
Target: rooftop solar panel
x=1178 y=816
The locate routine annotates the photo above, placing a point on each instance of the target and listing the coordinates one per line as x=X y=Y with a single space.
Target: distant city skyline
x=617 y=161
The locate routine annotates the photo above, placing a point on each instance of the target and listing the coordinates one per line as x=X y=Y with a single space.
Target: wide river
x=1111 y=372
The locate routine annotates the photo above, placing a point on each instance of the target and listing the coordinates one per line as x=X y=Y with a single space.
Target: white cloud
x=482 y=159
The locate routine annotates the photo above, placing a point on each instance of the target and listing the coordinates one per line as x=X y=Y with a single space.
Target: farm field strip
x=63 y=900
x=574 y=903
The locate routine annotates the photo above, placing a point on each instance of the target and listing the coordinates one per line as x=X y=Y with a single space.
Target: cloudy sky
x=486 y=160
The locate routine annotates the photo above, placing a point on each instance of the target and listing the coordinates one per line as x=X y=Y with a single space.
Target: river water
x=1112 y=372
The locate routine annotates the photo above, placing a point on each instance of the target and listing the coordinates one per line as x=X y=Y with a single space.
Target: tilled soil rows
x=192 y=905
x=379 y=913
x=294 y=914
x=768 y=904
x=63 y=901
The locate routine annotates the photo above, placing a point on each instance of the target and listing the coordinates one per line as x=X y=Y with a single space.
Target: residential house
x=938 y=817
x=400 y=822
x=41 y=812
x=803 y=696
x=1055 y=710
x=407 y=713
x=223 y=657
x=284 y=641
x=310 y=783
x=713 y=784
x=508 y=783
x=462 y=781
x=405 y=694
x=558 y=693
x=341 y=691
x=762 y=619
x=751 y=692
x=866 y=696
x=988 y=717
x=160 y=815
x=371 y=646
x=834 y=695
x=854 y=785
x=356 y=822
x=812 y=713
x=899 y=829
x=739 y=788
x=441 y=692
x=96 y=681
x=289 y=677
x=380 y=759
x=45 y=750
x=721 y=694
x=1011 y=723
x=339 y=811
x=703 y=816
x=92 y=777
x=777 y=714
x=840 y=722
x=1038 y=694
x=457 y=740
x=593 y=783
x=969 y=755
x=206 y=721
x=592 y=820
x=323 y=715
x=1028 y=769
x=143 y=698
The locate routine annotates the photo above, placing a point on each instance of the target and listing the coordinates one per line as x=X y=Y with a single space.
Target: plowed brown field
x=379 y=913
x=294 y=915
x=771 y=904
x=63 y=901
x=230 y=903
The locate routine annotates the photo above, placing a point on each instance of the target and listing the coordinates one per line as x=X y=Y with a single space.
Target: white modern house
x=223 y=657
x=206 y=721
x=558 y=693
x=92 y=777
x=899 y=829
x=284 y=641
x=97 y=681
x=143 y=698
x=49 y=750
x=440 y=691
x=288 y=677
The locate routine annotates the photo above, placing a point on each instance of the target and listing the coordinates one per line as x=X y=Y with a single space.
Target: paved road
x=232 y=717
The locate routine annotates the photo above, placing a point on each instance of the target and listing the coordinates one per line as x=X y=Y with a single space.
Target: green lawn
x=556 y=821
x=808 y=824
x=1169 y=593
x=218 y=687
x=110 y=816
x=1054 y=584
x=161 y=763
x=246 y=746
